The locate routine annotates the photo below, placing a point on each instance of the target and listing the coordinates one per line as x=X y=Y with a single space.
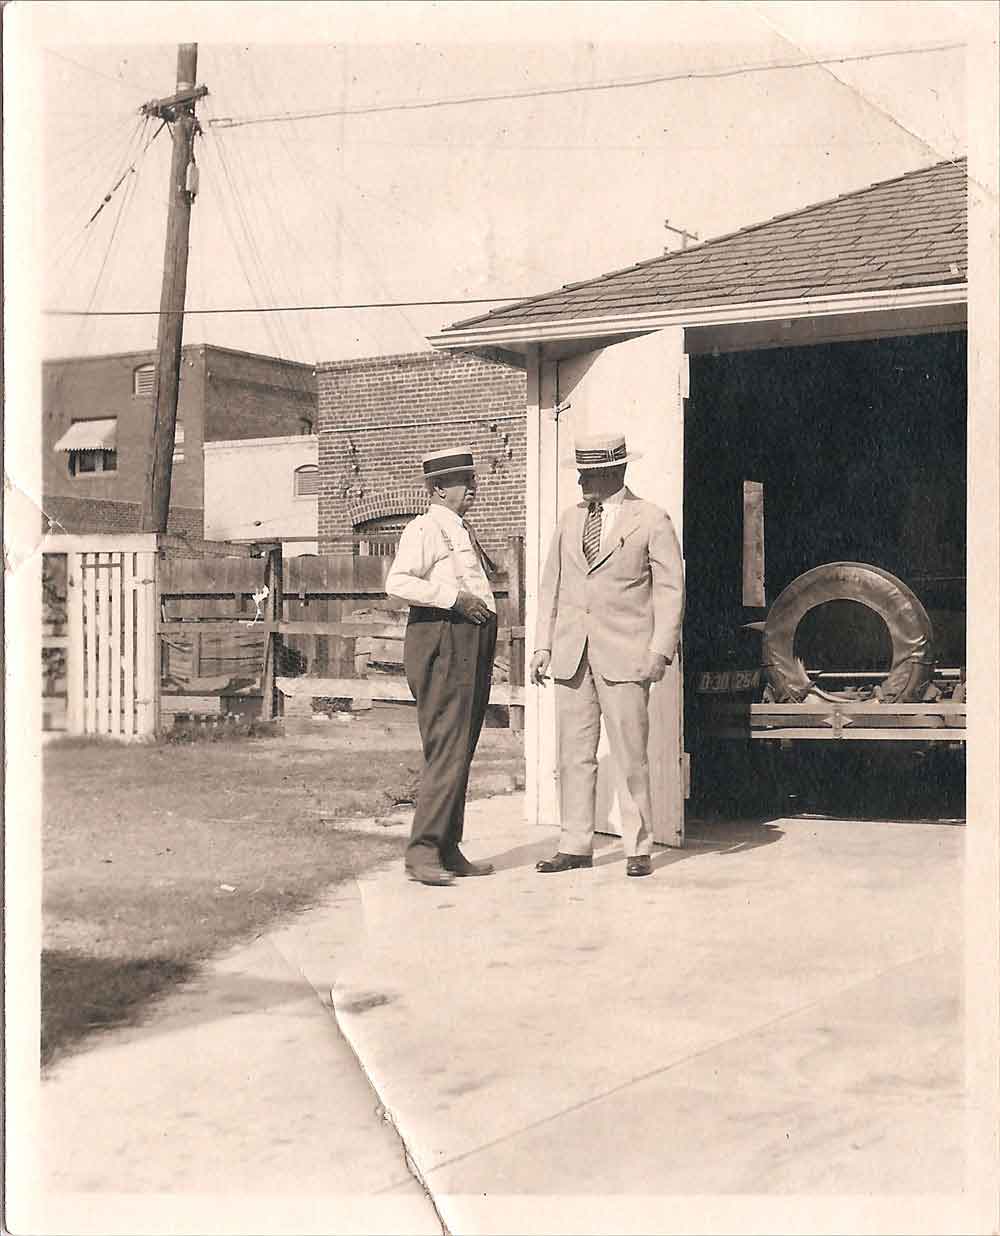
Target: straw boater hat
x=601 y=450
x=453 y=459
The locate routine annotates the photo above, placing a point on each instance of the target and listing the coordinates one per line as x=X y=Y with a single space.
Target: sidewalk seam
x=384 y=1114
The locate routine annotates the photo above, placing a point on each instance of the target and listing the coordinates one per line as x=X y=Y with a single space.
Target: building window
x=90 y=446
x=307 y=481
x=178 y=443
x=144 y=381
x=379 y=538
x=82 y=462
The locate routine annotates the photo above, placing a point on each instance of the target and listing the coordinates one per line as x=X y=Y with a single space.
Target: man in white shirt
x=610 y=605
x=440 y=570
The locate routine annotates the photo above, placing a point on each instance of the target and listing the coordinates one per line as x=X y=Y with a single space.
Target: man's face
x=596 y=484
x=457 y=490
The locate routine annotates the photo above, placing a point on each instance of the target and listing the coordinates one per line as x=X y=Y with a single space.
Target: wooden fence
x=158 y=627
x=99 y=634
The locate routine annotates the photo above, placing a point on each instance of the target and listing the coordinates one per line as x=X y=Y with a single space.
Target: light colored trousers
x=581 y=701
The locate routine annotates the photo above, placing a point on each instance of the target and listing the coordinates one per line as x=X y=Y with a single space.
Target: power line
x=384 y=304
x=233 y=122
x=123 y=82
x=131 y=161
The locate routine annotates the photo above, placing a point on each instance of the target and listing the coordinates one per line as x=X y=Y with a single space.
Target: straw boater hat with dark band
x=454 y=459
x=601 y=450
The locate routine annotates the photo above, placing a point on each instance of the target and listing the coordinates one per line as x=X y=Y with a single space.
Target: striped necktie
x=592 y=533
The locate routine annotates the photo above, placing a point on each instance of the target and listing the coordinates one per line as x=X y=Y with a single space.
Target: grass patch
x=158 y=855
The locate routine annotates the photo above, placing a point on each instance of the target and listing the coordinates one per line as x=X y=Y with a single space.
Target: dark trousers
x=449 y=666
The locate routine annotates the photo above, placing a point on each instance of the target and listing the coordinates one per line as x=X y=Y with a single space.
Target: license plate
x=727 y=682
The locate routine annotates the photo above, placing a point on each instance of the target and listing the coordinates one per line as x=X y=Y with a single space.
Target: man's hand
x=655 y=666
x=472 y=607
x=538 y=671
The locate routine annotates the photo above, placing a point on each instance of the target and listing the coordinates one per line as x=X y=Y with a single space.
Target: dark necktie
x=592 y=533
x=489 y=566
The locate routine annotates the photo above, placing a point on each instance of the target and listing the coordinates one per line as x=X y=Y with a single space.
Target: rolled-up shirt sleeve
x=408 y=579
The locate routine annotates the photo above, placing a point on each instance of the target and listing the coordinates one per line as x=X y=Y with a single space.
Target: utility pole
x=178 y=111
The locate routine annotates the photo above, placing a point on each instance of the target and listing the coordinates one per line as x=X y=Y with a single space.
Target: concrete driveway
x=775 y=1012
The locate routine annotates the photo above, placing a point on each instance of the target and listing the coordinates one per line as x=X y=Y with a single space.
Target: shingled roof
x=903 y=233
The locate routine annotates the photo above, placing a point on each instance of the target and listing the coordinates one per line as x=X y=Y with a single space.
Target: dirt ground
x=157 y=856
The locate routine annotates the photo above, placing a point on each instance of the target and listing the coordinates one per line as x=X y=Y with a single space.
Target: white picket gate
x=112 y=669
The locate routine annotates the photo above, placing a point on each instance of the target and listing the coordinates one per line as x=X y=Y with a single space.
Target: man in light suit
x=609 y=618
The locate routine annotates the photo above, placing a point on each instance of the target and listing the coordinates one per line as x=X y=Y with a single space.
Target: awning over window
x=90 y=436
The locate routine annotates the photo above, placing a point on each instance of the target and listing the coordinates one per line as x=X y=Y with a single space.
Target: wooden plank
x=516 y=666
x=340 y=659
x=221 y=628
x=96 y=542
x=210 y=576
x=274 y=602
x=386 y=630
x=74 y=653
x=54 y=714
x=128 y=644
x=860 y=736
x=90 y=637
x=329 y=688
x=182 y=545
x=115 y=663
x=541 y=500
x=350 y=630
x=844 y=724
x=147 y=658
x=377 y=688
x=155 y=643
x=753 y=545
x=941 y=707
x=515 y=577
x=55 y=641
x=197 y=705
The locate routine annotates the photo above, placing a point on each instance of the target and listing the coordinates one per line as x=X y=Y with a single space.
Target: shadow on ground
x=82 y=995
x=729 y=837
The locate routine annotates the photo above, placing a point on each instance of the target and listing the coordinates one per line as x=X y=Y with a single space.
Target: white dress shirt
x=610 y=510
x=435 y=561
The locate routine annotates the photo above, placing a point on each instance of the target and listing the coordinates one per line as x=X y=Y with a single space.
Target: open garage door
x=825 y=509
x=637 y=386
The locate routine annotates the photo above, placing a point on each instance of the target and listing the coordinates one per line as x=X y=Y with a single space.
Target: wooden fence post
x=147 y=643
x=515 y=606
x=74 y=649
x=275 y=606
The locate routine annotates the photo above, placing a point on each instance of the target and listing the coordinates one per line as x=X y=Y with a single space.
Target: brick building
x=379 y=415
x=97 y=418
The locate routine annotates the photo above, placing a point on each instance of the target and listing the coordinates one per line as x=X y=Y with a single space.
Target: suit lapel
x=576 y=536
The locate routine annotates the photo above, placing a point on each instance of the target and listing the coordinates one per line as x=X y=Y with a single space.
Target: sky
x=479 y=199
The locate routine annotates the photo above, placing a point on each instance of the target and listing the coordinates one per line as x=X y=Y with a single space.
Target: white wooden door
x=637 y=386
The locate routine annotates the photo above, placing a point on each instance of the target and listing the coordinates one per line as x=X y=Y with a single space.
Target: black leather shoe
x=459 y=865
x=428 y=871
x=564 y=862
x=639 y=865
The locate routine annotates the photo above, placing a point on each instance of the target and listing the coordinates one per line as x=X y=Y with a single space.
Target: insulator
x=191 y=182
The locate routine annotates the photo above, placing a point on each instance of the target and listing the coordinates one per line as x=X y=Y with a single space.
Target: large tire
x=909 y=626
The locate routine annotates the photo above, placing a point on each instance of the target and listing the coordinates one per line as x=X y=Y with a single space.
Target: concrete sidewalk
x=775 y=1012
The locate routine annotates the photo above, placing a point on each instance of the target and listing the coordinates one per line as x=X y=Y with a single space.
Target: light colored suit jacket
x=629 y=603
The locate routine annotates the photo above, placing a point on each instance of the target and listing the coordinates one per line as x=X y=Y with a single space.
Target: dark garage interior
x=860 y=450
